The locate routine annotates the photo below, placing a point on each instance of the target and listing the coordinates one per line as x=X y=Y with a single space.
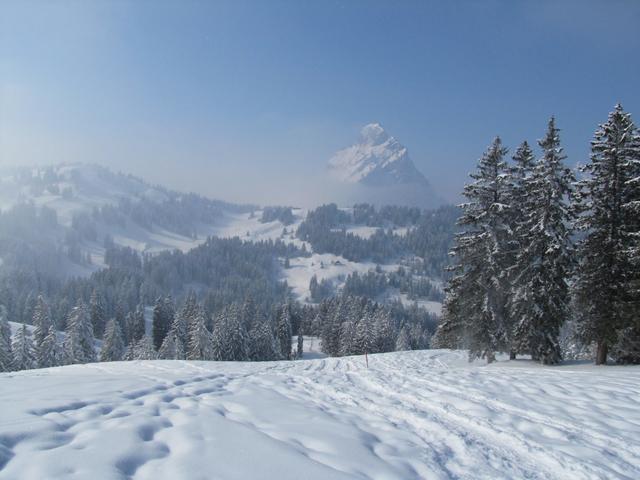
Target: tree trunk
x=512 y=355
x=601 y=352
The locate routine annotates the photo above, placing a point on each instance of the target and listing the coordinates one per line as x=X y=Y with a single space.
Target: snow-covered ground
x=410 y=415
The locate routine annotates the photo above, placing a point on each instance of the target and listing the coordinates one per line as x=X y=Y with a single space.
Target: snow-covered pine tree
x=6 y=356
x=136 y=325
x=403 y=343
x=200 y=343
x=347 y=338
x=451 y=332
x=283 y=332
x=540 y=300
x=384 y=332
x=184 y=318
x=262 y=343
x=603 y=287
x=41 y=321
x=364 y=341
x=238 y=341
x=113 y=347
x=23 y=350
x=49 y=353
x=96 y=313
x=172 y=347
x=78 y=342
x=478 y=292
x=161 y=321
x=144 y=349
x=520 y=175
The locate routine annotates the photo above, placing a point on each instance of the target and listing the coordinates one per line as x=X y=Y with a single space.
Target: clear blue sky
x=242 y=100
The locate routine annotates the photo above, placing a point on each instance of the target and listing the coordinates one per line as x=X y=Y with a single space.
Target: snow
x=377 y=157
x=325 y=266
x=410 y=415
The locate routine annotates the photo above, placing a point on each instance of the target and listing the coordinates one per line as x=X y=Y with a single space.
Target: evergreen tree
x=41 y=321
x=172 y=347
x=49 y=353
x=144 y=349
x=96 y=313
x=364 y=341
x=6 y=356
x=184 y=318
x=383 y=331
x=540 y=290
x=200 y=344
x=262 y=343
x=604 y=284
x=23 y=350
x=113 y=347
x=162 y=320
x=230 y=342
x=78 y=342
x=347 y=339
x=540 y=301
x=520 y=177
x=136 y=325
x=478 y=292
x=403 y=343
x=283 y=332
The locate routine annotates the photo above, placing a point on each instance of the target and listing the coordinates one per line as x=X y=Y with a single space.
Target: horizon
x=246 y=101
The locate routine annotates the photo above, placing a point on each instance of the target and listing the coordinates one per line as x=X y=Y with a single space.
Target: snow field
x=410 y=415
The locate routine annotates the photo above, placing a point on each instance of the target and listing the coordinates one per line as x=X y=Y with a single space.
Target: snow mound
x=411 y=415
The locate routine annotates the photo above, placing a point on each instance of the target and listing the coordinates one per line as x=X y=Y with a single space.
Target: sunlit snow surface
x=409 y=415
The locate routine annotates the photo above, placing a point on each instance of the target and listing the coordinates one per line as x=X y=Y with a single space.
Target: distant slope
x=409 y=415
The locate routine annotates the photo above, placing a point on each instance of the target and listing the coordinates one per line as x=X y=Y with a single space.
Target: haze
x=246 y=101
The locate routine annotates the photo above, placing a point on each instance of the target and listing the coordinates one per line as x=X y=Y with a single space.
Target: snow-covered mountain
x=379 y=170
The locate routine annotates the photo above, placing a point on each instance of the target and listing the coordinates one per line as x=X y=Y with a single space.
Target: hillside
x=409 y=415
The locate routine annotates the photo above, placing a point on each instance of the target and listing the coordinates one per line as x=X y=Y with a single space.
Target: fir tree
x=172 y=347
x=200 y=344
x=23 y=350
x=113 y=347
x=477 y=293
x=49 y=353
x=347 y=338
x=41 y=321
x=96 y=313
x=144 y=349
x=364 y=335
x=403 y=343
x=136 y=325
x=262 y=343
x=283 y=332
x=604 y=286
x=78 y=342
x=6 y=356
x=520 y=177
x=540 y=301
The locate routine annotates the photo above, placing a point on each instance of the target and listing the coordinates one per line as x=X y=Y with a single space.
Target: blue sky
x=248 y=100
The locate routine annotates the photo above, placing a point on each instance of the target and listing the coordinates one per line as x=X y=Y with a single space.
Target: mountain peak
x=380 y=164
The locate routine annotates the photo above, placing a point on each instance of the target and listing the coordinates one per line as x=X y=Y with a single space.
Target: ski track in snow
x=410 y=415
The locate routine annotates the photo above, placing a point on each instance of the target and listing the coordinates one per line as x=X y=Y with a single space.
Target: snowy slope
x=410 y=415
x=381 y=171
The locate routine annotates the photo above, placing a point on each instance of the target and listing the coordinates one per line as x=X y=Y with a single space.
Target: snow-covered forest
x=544 y=264
x=545 y=251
